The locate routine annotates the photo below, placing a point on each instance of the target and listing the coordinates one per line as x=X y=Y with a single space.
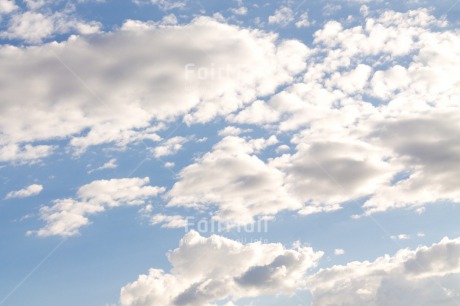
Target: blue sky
x=127 y=128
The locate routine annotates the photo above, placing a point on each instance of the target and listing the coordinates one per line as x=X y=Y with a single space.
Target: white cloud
x=364 y=10
x=325 y=174
x=66 y=216
x=400 y=237
x=7 y=6
x=231 y=270
x=235 y=180
x=425 y=276
x=256 y=113
x=377 y=100
x=24 y=154
x=283 y=149
x=432 y=172
x=170 y=146
x=232 y=131
x=111 y=164
x=339 y=251
x=283 y=17
x=29 y=26
x=168 y=221
x=29 y=191
x=168 y=4
x=303 y=21
x=241 y=11
x=33 y=27
x=385 y=83
x=353 y=81
x=71 y=97
x=170 y=19
x=36 y=4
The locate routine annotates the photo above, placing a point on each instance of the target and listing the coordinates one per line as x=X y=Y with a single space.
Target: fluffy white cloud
x=425 y=276
x=153 y=74
x=429 y=147
x=393 y=32
x=24 y=153
x=29 y=191
x=283 y=16
x=400 y=237
x=165 y=4
x=377 y=103
x=168 y=221
x=36 y=4
x=325 y=174
x=66 y=216
x=231 y=270
x=111 y=164
x=235 y=180
x=232 y=131
x=353 y=81
x=7 y=6
x=170 y=146
x=303 y=21
x=256 y=113
x=33 y=27
x=241 y=11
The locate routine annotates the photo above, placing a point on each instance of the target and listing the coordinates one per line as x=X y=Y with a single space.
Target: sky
x=223 y=153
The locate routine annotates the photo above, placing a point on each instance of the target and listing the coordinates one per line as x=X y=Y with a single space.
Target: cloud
x=256 y=113
x=324 y=174
x=283 y=17
x=24 y=153
x=241 y=11
x=29 y=191
x=232 y=131
x=111 y=164
x=232 y=178
x=7 y=6
x=400 y=237
x=425 y=276
x=170 y=146
x=33 y=27
x=168 y=4
x=168 y=221
x=169 y=164
x=376 y=103
x=36 y=4
x=66 y=216
x=231 y=270
x=303 y=21
x=121 y=99
x=432 y=172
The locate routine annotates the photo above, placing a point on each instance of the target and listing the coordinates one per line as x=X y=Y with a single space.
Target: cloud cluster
x=66 y=216
x=425 y=276
x=283 y=16
x=170 y=146
x=29 y=191
x=377 y=102
x=165 y=5
x=232 y=178
x=92 y=92
x=354 y=120
x=250 y=270
x=39 y=22
x=7 y=6
x=175 y=221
